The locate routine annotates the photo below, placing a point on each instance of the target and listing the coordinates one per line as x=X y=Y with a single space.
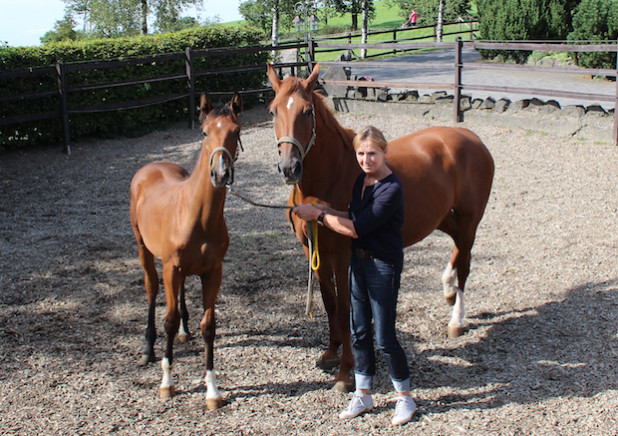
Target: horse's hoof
x=455 y=332
x=214 y=403
x=341 y=386
x=184 y=338
x=327 y=364
x=146 y=359
x=451 y=300
x=167 y=391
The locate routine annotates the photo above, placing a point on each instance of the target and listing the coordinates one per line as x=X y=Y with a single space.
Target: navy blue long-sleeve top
x=377 y=217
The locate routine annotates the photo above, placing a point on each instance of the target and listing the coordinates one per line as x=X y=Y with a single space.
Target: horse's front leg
x=172 y=282
x=334 y=289
x=151 y=282
x=183 y=334
x=210 y=288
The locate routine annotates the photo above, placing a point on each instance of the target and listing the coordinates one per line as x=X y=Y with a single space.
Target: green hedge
x=128 y=122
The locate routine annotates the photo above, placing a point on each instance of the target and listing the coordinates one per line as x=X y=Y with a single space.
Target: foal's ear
x=272 y=76
x=205 y=106
x=313 y=78
x=236 y=103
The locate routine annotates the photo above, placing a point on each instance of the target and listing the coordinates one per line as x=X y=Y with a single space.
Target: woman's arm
x=334 y=221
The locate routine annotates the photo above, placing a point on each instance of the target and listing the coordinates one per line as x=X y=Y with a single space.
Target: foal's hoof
x=146 y=359
x=328 y=363
x=214 y=403
x=451 y=300
x=341 y=386
x=455 y=332
x=184 y=338
x=167 y=391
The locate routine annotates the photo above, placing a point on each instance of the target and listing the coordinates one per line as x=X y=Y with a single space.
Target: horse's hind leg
x=172 y=281
x=210 y=288
x=151 y=282
x=463 y=230
x=183 y=333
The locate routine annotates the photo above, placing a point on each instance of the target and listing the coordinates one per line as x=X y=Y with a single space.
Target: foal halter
x=302 y=151
x=232 y=159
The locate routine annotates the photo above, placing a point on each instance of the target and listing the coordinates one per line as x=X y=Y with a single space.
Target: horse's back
x=441 y=168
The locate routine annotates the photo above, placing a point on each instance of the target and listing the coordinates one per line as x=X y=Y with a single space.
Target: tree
x=111 y=18
x=525 y=20
x=63 y=31
x=596 y=20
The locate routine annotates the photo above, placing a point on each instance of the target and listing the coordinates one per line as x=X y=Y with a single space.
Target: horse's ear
x=313 y=78
x=236 y=103
x=205 y=106
x=272 y=76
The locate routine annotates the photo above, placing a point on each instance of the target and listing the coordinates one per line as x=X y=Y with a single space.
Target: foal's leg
x=210 y=288
x=183 y=333
x=172 y=282
x=151 y=282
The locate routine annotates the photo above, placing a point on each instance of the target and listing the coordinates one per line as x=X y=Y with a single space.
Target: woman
x=373 y=221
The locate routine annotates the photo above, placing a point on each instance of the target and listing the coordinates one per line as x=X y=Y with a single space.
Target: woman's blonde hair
x=372 y=134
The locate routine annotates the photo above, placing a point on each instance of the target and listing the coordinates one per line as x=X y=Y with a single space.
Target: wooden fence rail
x=458 y=87
x=189 y=74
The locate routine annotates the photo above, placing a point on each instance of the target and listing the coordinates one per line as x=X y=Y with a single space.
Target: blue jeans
x=374 y=288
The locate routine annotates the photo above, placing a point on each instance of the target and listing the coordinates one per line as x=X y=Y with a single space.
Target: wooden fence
x=311 y=47
x=457 y=87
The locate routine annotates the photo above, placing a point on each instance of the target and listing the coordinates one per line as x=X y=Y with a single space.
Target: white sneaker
x=403 y=410
x=360 y=403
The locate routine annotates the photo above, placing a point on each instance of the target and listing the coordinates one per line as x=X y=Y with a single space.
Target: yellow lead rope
x=314 y=258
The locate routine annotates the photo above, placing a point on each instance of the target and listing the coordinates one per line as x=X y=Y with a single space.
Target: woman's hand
x=307 y=212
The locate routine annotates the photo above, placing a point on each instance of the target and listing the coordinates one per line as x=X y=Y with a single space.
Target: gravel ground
x=540 y=356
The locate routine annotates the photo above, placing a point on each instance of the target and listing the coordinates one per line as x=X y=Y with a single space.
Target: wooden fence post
x=615 y=129
x=310 y=54
x=64 y=109
x=190 y=86
x=395 y=39
x=457 y=84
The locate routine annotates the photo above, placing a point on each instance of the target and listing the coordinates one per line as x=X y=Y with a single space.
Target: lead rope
x=314 y=258
x=312 y=226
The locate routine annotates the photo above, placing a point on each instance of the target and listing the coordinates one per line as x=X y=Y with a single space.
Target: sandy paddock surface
x=540 y=356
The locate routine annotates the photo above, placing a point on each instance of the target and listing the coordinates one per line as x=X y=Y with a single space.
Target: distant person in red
x=413 y=17
x=411 y=20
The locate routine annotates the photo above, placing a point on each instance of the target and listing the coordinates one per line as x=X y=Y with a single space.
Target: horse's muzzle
x=292 y=172
x=222 y=176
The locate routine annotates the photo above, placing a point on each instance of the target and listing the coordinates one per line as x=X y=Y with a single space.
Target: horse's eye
x=204 y=133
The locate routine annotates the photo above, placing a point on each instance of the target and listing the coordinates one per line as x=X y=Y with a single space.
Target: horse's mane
x=328 y=117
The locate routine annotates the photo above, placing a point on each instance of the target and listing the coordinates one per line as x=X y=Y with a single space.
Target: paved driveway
x=420 y=68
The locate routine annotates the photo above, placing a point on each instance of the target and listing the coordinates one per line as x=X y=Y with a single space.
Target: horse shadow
x=562 y=348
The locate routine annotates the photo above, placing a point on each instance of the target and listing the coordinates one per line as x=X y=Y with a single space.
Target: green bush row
x=127 y=122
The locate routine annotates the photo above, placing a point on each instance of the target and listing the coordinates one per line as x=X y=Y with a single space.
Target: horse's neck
x=205 y=202
x=330 y=164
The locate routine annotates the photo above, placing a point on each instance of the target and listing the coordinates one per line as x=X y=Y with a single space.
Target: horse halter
x=302 y=151
x=232 y=159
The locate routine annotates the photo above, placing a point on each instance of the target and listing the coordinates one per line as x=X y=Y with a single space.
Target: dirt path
x=540 y=356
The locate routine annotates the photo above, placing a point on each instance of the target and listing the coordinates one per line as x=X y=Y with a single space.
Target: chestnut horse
x=178 y=217
x=446 y=175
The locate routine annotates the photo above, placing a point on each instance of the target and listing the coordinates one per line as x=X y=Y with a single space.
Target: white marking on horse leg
x=181 y=330
x=212 y=393
x=166 y=382
x=290 y=103
x=457 y=318
x=448 y=281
